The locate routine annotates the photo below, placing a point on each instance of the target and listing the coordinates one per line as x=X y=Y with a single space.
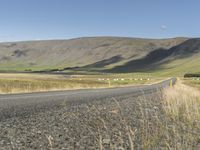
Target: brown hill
x=93 y=52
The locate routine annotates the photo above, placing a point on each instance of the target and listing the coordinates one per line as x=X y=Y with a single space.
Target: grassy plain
x=195 y=82
x=25 y=83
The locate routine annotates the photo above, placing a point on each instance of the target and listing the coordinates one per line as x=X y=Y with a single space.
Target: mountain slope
x=92 y=52
x=180 y=59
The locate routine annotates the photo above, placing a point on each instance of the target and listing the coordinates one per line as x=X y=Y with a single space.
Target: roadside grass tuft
x=169 y=121
x=182 y=108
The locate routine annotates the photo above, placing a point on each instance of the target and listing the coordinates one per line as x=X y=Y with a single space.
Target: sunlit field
x=24 y=83
x=195 y=82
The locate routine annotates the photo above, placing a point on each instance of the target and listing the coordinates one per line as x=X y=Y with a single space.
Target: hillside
x=175 y=56
x=178 y=60
x=90 y=53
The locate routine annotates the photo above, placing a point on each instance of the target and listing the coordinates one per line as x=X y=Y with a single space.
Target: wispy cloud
x=163 y=27
x=37 y=39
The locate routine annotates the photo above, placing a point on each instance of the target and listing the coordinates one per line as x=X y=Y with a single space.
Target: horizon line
x=81 y=37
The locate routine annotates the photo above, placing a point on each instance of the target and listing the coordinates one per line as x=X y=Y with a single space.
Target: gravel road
x=72 y=119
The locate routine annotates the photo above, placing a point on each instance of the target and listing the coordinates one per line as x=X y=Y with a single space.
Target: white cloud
x=38 y=39
x=163 y=27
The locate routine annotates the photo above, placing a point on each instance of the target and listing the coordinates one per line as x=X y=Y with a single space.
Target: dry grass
x=182 y=108
x=183 y=102
x=27 y=83
x=38 y=85
x=169 y=121
x=194 y=82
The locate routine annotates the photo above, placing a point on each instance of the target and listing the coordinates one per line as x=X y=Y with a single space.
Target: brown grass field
x=27 y=83
x=195 y=82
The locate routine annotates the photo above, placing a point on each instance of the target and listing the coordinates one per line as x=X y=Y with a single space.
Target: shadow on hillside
x=105 y=62
x=146 y=63
x=156 y=58
x=152 y=61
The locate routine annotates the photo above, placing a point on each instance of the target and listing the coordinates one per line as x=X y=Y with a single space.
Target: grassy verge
x=25 y=83
x=195 y=82
x=182 y=109
x=171 y=120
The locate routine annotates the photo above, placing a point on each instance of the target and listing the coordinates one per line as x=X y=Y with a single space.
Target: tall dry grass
x=183 y=103
x=27 y=83
x=182 y=108
x=8 y=86
x=170 y=120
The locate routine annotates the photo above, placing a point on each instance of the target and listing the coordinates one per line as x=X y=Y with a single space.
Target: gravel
x=75 y=126
x=80 y=120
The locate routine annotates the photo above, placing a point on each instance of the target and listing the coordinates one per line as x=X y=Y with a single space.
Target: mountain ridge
x=107 y=54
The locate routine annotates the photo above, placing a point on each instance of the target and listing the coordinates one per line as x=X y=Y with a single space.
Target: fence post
x=171 y=83
x=109 y=83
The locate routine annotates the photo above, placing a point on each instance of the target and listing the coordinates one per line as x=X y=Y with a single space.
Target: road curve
x=23 y=104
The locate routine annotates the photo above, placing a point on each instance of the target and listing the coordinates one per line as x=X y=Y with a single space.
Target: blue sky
x=64 y=19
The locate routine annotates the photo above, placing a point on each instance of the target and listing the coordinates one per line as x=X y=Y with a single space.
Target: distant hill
x=95 y=53
x=180 y=59
x=176 y=56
